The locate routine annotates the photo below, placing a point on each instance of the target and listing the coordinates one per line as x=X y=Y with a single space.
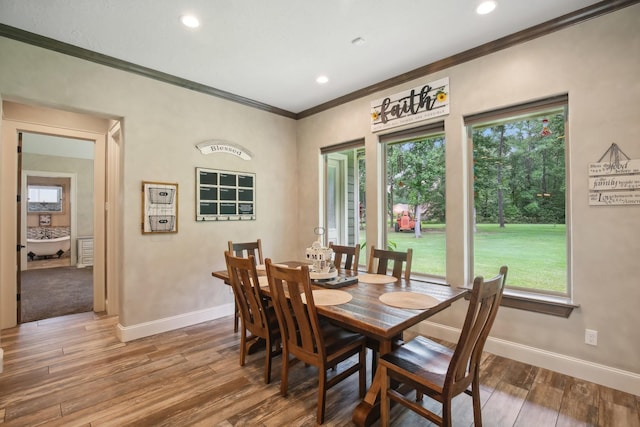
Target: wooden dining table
x=367 y=314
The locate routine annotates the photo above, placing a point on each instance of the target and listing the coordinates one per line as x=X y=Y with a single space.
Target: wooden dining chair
x=256 y=316
x=243 y=250
x=381 y=260
x=350 y=254
x=307 y=338
x=438 y=371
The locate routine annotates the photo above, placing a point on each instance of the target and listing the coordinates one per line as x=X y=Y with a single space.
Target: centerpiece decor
x=322 y=267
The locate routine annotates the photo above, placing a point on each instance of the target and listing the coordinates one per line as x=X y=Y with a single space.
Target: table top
x=366 y=314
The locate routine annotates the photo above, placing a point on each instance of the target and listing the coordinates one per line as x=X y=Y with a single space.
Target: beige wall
x=598 y=64
x=162 y=275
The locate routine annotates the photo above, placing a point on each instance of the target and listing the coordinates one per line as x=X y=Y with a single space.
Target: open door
x=20 y=246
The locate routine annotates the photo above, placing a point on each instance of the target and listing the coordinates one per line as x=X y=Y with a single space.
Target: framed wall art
x=159 y=207
x=224 y=195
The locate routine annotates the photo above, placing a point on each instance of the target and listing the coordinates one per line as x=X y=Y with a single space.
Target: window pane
x=415 y=212
x=519 y=201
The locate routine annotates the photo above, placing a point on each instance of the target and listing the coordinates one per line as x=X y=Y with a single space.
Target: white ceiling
x=271 y=51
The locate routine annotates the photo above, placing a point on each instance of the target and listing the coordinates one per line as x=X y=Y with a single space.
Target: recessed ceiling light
x=190 y=21
x=322 y=80
x=486 y=7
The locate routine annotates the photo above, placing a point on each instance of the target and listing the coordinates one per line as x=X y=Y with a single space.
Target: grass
x=534 y=253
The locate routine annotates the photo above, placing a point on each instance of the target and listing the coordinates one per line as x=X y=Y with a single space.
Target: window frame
x=538 y=300
x=428 y=130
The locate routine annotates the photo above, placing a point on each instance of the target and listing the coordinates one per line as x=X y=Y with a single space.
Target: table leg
x=368 y=411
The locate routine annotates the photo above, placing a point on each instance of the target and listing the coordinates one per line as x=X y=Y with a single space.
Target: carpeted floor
x=53 y=292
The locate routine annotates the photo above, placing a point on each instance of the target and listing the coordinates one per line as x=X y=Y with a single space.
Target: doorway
x=23 y=118
x=56 y=221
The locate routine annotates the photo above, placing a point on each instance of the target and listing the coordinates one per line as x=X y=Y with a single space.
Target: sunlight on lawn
x=534 y=253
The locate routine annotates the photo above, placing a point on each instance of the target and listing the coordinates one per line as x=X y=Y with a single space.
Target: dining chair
x=243 y=250
x=438 y=371
x=381 y=260
x=308 y=338
x=256 y=316
x=351 y=255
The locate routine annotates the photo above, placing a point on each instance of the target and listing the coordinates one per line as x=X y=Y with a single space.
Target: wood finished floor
x=73 y=371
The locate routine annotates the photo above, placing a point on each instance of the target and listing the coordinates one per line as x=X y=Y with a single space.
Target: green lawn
x=534 y=253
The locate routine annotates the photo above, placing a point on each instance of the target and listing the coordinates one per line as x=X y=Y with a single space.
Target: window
x=344 y=210
x=415 y=196
x=519 y=196
x=44 y=198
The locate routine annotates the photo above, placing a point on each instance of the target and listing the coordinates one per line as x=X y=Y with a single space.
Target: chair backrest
x=483 y=306
x=246 y=289
x=298 y=320
x=350 y=254
x=243 y=250
x=379 y=260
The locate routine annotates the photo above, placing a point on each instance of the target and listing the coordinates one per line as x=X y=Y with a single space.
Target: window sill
x=538 y=303
x=528 y=301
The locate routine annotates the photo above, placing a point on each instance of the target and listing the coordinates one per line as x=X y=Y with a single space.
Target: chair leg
x=384 y=399
x=362 y=374
x=475 y=396
x=267 y=362
x=285 y=373
x=243 y=345
x=235 y=317
x=322 y=394
x=446 y=413
x=374 y=363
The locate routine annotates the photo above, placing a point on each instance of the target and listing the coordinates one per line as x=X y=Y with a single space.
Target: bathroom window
x=44 y=198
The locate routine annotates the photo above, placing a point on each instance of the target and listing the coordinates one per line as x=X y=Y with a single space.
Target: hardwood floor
x=73 y=371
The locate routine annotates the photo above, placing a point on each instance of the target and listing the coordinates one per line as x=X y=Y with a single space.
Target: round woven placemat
x=376 y=279
x=329 y=297
x=411 y=300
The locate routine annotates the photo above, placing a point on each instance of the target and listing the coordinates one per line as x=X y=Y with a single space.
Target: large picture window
x=519 y=196
x=415 y=197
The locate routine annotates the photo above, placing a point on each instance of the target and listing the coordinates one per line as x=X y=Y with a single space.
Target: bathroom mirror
x=44 y=198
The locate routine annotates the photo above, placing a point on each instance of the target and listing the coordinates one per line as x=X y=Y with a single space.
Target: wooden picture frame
x=159 y=207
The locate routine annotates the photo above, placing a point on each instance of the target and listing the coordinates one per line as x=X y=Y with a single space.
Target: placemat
x=411 y=300
x=263 y=267
x=329 y=297
x=376 y=279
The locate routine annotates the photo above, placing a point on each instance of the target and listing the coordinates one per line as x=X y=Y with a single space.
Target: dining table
x=379 y=307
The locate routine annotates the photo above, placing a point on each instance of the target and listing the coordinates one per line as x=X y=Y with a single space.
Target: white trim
x=626 y=381
x=141 y=330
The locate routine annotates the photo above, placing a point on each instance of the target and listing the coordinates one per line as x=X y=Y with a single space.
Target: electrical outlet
x=590 y=337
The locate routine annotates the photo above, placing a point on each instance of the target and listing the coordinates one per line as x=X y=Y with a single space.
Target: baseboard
x=134 y=332
x=618 y=379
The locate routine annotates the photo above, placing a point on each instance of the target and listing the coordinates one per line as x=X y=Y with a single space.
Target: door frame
x=8 y=288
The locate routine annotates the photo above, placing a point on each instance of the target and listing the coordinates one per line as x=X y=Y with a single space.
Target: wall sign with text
x=411 y=106
x=614 y=182
x=225 y=196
